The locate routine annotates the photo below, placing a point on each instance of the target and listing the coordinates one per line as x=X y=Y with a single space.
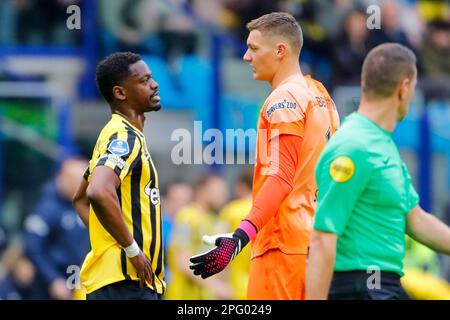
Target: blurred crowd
x=335 y=31
x=339 y=33
x=35 y=22
x=34 y=260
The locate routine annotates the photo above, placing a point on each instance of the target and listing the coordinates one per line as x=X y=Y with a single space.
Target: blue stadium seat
x=195 y=77
x=407 y=132
x=439 y=115
x=171 y=97
x=238 y=113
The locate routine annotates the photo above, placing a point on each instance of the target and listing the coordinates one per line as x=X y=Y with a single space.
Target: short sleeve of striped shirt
x=86 y=173
x=121 y=153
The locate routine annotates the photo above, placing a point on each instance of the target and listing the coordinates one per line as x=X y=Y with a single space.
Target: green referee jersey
x=365 y=193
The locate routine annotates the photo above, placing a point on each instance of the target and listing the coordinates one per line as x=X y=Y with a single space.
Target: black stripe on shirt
x=123 y=262
x=155 y=237
x=136 y=203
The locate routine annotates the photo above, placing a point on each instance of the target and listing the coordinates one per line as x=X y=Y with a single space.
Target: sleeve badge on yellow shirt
x=342 y=169
x=119 y=147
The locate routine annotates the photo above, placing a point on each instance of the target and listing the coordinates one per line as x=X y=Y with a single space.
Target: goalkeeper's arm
x=265 y=205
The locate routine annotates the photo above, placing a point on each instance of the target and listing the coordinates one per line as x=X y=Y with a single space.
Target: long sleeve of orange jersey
x=265 y=205
x=276 y=187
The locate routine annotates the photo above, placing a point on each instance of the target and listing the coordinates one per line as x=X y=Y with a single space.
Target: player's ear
x=403 y=88
x=119 y=93
x=281 y=50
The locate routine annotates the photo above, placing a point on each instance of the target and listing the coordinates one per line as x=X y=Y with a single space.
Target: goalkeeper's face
x=262 y=56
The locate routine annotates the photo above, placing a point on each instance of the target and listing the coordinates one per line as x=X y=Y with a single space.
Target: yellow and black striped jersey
x=122 y=147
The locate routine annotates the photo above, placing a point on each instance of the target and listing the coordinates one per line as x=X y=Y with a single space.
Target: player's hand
x=143 y=268
x=215 y=260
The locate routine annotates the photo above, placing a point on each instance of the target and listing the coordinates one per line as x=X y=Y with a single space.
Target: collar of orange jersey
x=298 y=77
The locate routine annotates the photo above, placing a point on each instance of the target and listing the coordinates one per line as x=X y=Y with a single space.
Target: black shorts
x=361 y=285
x=123 y=290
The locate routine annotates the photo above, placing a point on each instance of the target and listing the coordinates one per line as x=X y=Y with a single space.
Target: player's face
x=409 y=94
x=261 y=55
x=142 y=90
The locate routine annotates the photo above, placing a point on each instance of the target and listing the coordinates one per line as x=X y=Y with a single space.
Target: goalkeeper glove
x=215 y=260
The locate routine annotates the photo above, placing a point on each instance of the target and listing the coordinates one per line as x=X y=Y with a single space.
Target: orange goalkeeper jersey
x=309 y=112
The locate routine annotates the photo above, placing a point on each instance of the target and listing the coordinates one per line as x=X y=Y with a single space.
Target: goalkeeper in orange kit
x=295 y=122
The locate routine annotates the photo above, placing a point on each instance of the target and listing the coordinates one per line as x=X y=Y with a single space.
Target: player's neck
x=136 y=119
x=380 y=111
x=285 y=71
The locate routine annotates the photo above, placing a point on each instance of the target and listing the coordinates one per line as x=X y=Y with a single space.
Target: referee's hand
x=143 y=268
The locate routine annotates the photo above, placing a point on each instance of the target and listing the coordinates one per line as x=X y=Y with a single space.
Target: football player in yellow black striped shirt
x=121 y=190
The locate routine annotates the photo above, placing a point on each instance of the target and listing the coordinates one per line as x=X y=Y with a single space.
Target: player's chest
x=147 y=166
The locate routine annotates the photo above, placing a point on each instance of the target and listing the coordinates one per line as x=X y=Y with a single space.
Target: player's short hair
x=279 y=24
x=112 y=70
x=384 y=67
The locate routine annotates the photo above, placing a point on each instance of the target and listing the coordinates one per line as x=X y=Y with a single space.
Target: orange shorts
x=277 y=276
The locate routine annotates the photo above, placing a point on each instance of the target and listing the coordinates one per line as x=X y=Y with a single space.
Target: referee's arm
x=320 y=268
x=428 y=230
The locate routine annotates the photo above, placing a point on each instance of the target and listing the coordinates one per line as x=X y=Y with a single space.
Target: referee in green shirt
x=366 y=201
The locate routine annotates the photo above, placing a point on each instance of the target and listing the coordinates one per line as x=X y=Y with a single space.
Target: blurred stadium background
x=50 y=111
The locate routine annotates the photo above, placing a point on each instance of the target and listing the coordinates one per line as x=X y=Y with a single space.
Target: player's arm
x=265 y=206
x=80 y=202
x=267 y=202
x=323 y=254
x=116 y=161
x=102 y=195
x=118 y=158
x=428 y=230
x=285 y=131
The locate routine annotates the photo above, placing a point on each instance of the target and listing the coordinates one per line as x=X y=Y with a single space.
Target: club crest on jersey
x=342 y=169
x=119 y=147
x=284 y=104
